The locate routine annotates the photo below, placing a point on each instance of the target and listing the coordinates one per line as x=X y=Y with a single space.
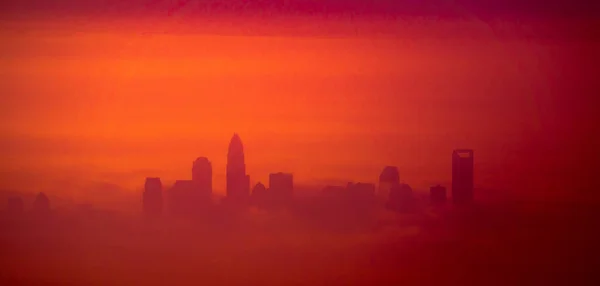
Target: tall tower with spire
x=238 y=183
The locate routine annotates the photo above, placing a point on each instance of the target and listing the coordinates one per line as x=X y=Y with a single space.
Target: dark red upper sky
x=441 y=8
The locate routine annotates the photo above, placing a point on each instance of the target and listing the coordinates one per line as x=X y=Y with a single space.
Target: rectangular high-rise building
x=462 y=176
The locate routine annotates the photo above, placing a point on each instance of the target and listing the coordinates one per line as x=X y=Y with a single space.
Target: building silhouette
x=333 y=191
x=388 y=179
x=437 y=194
x=202 y=176
x=183 y=198
x=352 y=195
x=41 y=204
x=462 y=176
x=238 y=183
x=153 y=197
x=361 y=192
x=281 y=187
x=15 y=206
x=260 y=195
x=401 y=198
x=360 y=196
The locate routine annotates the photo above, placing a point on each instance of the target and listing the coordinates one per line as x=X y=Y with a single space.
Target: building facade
x=237 y=181
x=462 y=176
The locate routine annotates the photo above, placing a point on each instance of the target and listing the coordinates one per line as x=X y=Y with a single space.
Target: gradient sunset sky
x=109 y=92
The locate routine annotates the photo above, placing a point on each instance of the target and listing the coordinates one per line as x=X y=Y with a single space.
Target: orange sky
x=113 y=102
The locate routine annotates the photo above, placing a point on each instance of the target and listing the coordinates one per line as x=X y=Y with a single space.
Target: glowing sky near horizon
x=329 y=99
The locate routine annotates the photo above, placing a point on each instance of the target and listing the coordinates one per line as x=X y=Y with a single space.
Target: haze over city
x=105 y=104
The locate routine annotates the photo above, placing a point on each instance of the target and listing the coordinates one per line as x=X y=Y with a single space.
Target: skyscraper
x=238 y=183
x=152 y=197
x=462 y=176
x=388 y=179
x=202 y=176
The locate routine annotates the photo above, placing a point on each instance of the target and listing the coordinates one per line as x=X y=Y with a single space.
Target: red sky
x=110 y=96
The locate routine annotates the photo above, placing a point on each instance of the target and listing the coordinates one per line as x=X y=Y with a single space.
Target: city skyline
x=388 y=176
x=298 y=142
x=123 y=97
x=189 y=197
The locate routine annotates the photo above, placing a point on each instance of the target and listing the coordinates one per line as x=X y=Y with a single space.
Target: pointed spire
x=238 y=183
x=236 y=148
x=235 y=141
